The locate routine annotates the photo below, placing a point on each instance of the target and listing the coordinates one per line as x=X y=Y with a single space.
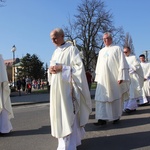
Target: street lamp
x=13 y=51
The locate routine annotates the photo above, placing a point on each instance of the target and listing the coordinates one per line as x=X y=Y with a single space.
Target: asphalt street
x=32 y=128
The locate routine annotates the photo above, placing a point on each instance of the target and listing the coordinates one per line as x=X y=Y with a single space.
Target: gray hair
x=109 y=34
x=58 y=31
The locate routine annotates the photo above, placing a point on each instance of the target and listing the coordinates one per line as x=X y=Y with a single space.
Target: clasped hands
x=120 y=81
x=55 y=69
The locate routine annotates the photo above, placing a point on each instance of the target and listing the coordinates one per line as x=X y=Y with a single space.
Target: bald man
x=70 y=102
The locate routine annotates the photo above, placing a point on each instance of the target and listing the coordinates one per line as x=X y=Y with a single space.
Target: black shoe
x=116 y=121
x=100 y=122
x=129 y=110
x=133 y=110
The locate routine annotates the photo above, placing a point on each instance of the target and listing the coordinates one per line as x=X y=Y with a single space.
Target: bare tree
x=2 y=3
x=128 y=42
x=88 y=27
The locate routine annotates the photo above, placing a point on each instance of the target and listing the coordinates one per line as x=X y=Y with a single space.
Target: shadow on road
x=122 y=124
x=117 y=142
x=42 y=130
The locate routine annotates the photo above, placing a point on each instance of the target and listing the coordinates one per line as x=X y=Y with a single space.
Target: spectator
x=89 y=78
x=19 y=86
x=23 y=82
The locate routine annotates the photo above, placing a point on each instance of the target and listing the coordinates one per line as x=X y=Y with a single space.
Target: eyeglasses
x=125 y=52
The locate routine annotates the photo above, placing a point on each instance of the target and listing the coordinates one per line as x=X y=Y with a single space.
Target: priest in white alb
x=112 y=79
x=6 y=112
x=146 y=86
x=70 y=102
x=136 y=78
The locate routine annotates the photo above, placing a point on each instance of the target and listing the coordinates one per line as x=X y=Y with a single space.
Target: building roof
x=9 y=62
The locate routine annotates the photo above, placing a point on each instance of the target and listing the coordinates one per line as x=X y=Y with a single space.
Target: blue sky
x=27 y=24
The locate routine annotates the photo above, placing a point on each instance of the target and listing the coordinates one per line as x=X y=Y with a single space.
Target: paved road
x=133 y=131
x=31 y=129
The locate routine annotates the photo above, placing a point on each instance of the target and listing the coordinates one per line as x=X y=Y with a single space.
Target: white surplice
x=111 y=67
x=137 y=79
x=146 y=86
x=6 y=112
x=69 y=93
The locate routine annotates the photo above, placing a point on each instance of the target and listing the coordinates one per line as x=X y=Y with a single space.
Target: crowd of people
x=26 y=85
x=121 y=87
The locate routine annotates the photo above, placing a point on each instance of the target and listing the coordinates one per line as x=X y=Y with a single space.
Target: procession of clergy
x=123 y=83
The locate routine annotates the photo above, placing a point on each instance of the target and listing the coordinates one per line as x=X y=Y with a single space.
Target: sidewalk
x=26 y=99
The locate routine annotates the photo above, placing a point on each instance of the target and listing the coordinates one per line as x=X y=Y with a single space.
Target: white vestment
x=146 y=86
x=69 y=93
x=6 y=112
x=111 y=67
x=71 y=141
x=137 y=79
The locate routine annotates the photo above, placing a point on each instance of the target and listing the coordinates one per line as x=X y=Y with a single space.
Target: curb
x=28 y=103
x=36 y=102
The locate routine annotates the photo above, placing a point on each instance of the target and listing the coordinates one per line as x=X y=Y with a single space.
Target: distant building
x=10 y=68
x=8 y=62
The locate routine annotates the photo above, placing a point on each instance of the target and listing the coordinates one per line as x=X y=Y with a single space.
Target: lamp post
x=13 y=51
